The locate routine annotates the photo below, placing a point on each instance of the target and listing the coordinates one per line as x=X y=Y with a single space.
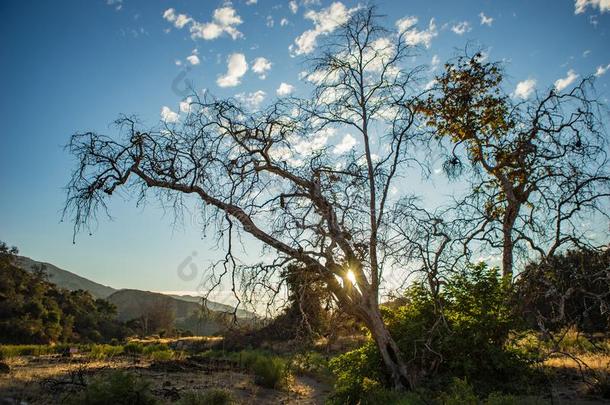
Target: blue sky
x=69 y=66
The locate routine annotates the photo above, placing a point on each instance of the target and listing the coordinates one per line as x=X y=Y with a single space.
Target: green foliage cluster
x=311 y=363
x=269 y=372
x=34 y=310
x=115 y=388
x=213 y=396
x=461 y=333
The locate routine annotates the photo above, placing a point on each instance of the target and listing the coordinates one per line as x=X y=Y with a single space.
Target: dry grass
x=29 y=377
x=594 y=362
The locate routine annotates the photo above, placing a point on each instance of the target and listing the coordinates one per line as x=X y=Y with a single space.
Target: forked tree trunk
x=402 y=375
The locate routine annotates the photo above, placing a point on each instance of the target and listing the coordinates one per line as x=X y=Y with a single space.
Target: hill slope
x=132 y=304
x=130 y=301
x=66 y=279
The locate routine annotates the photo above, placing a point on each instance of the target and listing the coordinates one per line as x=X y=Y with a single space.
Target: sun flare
x=351 y=276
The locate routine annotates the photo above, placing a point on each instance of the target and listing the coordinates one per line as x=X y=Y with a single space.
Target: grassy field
x=193 y=371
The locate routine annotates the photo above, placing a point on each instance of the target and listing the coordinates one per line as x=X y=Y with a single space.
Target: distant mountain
x=128 y=301
x=214 y=306
x=132 y=304
x=66 y=279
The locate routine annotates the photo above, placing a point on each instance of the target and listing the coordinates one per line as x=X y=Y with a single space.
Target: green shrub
x=155 y=347
x=161 y=355
x=212 y=396
x=158 y=351
x=355 y=371
x=103 y=351
x=469 y=343
x=268 y=371
x=116 y=388
x=496 y=398
x=133 y=348
x=311 y=363
x=459 y=393
x=29 y=350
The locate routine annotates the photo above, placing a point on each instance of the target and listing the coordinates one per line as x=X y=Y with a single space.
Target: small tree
x=270 y=174
x=538 y=168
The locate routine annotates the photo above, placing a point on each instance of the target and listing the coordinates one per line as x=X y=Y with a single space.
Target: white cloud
x=270 y=21
x=284 y=89
x=224 y=20
x=283 y=22
x=117 y=4
x=185 y=106
x=236 y=68
x=581 y=5
x=346 y=144
x=461 y=28
x=179 y=20
x=193 y=59
x=525 y=89
x=251 y=2
x=305 y=146
x=294 y=7
x=169 y=116
x=564 y=82
x=252 y=100
x=485 y=20
x=325 y=21
x=261 y=66
x=412 y=35
x=601 y=70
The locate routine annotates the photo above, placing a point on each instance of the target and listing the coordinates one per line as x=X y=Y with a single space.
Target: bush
x=469 y=343
x=116 y=388
x=212 y=396
x=133 y=348
x=101 y=352
x=311 y=363
x=459 y=393
x=161 y=355
x=268 y=371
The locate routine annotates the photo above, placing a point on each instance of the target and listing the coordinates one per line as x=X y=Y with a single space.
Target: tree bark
x=403 y=376
x=507 y=243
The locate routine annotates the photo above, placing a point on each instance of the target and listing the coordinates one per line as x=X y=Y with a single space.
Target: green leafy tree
x=537 y=168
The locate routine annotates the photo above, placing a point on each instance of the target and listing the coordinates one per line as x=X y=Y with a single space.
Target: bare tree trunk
x=507 y=243
x=403 y=377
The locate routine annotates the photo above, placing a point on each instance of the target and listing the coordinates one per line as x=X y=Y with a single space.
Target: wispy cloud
x=461 y=28
x=485 y=20
x=325 y=21
x=224 y=20
x=252 y=100
x=412 y=35
x=601 y=70
x=564 y=82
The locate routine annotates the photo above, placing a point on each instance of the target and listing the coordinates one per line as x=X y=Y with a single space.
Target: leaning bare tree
x=270 y=173
x=537 y=169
